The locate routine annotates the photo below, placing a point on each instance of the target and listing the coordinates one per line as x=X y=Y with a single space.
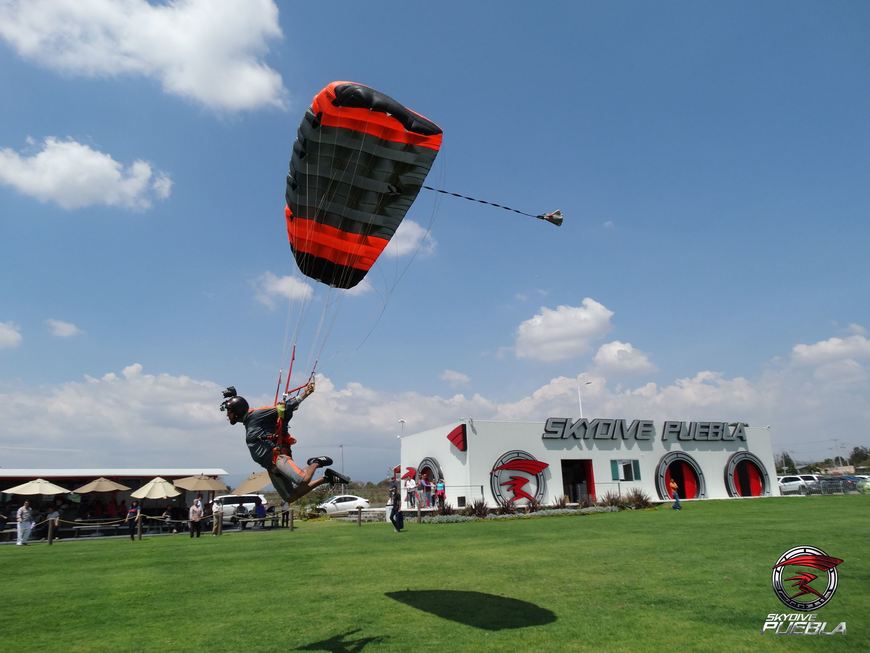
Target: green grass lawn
x=653 y=580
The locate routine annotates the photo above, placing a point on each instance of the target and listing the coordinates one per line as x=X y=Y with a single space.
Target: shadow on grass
x=341 y=643
x=477 y=609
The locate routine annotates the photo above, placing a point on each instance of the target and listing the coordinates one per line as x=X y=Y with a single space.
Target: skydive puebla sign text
x=564 y=428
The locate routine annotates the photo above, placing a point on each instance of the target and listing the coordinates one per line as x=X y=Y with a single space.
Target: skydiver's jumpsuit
x=260 y=425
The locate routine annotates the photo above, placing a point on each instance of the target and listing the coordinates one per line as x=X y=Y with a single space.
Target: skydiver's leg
x=302 y=490
x=283 y=486
x=286 y=466
x=291 y=481
x=330 y=476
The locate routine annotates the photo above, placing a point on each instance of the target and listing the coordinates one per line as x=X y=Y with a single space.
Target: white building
x=587 y=458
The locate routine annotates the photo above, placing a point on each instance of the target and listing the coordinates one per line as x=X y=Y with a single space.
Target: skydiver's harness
x=282 y=438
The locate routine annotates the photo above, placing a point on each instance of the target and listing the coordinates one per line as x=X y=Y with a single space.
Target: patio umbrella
x=39 y=486
x=101 y=485
x=156 y=488
x=256 y=481
x=200 y=483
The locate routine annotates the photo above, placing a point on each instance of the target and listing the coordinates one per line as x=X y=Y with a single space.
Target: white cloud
x=454 y=378
x=269 y=287
x=609 y=224
x=410 y=239
x=205 y=50
x=62 y=329
x=833 y=349
x=619 y=356
x=135 y=418
x=562 y=333
x=362 y=288
x=73 y=176
x=10 y=335
x=842 y=372
x=162 y=186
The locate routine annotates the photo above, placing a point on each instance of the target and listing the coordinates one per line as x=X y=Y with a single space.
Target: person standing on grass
x=217 y=518
x=675 y=494
x=24 y=516
x=195 y=515
x=440 y=492
x=411 y=490
x=134 y=514
x=53 y=518
x=395 y=503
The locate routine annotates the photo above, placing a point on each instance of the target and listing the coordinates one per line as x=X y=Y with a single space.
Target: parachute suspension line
x=287 y=340
x=318 y=342
x=321 y=201
x=391 y=289
x=334 y=296
x=327 y=326
x=356 y=160
x=554 y=217
x=290 y=370
x=278 y=387
x=302 y=306
x=321 y=197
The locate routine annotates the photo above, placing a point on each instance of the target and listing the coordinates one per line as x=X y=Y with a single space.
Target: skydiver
x=263 y=437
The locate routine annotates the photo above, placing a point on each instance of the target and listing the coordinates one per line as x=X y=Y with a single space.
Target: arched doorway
x=745 y=476
x=685 y=470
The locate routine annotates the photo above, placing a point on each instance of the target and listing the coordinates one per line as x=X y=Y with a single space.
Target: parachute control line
x=554 y=217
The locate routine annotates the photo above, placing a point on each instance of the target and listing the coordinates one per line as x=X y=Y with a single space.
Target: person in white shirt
x=411 y=489
x=25 y=523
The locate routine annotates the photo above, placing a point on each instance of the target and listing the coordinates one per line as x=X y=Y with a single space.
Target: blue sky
x=711 y=160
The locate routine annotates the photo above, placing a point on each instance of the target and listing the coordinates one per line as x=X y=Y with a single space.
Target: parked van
x=234 y=506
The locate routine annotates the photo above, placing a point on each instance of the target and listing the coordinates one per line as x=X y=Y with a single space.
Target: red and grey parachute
x=358 y=162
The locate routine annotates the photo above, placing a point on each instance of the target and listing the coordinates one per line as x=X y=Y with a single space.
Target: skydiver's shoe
x=334 y=478
x=320 y=461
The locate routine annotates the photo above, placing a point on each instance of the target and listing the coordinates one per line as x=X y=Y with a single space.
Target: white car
x=792 y=485
x=234 y=505
x=814 y=483
x=342 y=503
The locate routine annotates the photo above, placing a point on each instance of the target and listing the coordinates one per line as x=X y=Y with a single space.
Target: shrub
x=613 y=500
x=506 y=508
x=446 y=509
x=447 y=519
x=638 y=499
x=477 y=508
x=560 y=502
x=533 y=505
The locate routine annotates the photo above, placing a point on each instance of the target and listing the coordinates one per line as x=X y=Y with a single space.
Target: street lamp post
x=580 y=397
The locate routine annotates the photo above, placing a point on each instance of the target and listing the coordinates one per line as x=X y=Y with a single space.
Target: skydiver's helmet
x=236 y=407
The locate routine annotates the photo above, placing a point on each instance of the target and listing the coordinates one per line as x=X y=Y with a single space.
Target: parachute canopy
x=358 y=162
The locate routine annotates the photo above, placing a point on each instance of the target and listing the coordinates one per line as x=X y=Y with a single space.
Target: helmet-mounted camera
x=228 y=394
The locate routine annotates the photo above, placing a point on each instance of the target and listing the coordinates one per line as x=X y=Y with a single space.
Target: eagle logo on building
x=518 y=476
